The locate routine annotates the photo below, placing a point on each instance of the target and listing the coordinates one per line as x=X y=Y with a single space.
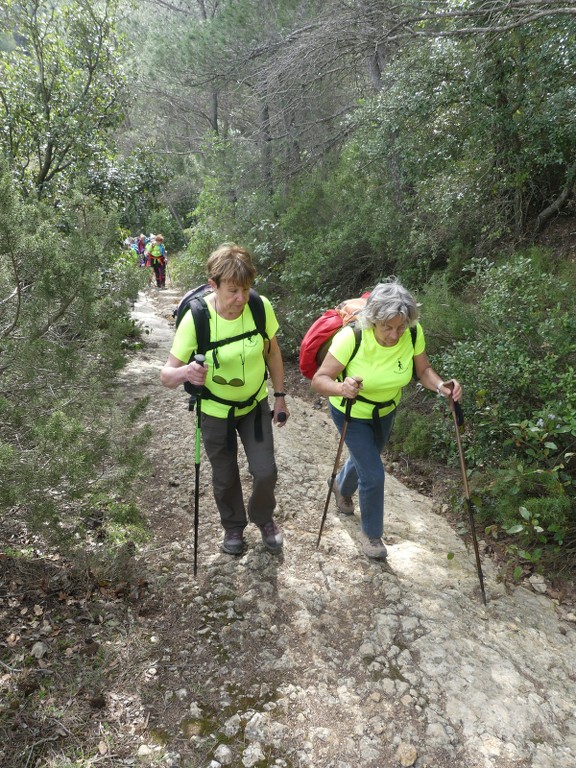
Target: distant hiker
x=234 y=396
x=141 y=250
x=373 y=379
x=157 y=254
x=157 y=259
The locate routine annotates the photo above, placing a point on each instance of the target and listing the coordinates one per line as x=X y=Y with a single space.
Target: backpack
x=318 y=337
x=195 y=302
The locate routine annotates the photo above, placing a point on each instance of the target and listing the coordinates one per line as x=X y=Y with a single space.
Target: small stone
x=39 y=650
x=406 y=755
x=224 y=755
x=537 y=583
x=252 y=755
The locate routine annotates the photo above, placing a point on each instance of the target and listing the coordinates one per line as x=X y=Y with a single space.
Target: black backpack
x=195 y=302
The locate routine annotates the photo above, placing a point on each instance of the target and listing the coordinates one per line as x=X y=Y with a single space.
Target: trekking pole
x=458 y=417
x=200 y=359
x=349 y=404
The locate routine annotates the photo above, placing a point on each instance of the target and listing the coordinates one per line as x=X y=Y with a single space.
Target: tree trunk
x=556 y=206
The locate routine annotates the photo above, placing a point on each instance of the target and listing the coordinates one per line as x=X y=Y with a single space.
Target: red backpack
x=317 y=340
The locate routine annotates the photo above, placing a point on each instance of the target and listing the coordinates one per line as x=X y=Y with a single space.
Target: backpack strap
x=357 y=339
x=230 y=429
x=259 y=316
x=413 y=335
x=376 y=412
x=201 y=316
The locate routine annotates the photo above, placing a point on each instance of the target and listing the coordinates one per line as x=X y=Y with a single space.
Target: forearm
x=325 y=385
x=275 y=365
x=175 y=372
x=172 y=377
x=429 y=379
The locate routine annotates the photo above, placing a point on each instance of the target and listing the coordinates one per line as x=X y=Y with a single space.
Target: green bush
x=163 y=222
x=65 y=323
x=517 y=364
x=411 y=434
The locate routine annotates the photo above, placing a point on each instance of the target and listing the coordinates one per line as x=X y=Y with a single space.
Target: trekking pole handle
x=454 y=404
x=200 y=360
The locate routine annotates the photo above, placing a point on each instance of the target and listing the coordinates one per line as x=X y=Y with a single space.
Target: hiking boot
x=272 y=536
x=344 y=504
x=373 y=547
x=233 y=543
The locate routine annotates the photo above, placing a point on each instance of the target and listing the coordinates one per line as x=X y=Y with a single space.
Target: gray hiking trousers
x=226 y=473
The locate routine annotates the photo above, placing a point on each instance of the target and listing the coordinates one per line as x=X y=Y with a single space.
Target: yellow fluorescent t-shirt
x=383 y=370
x=235 y=371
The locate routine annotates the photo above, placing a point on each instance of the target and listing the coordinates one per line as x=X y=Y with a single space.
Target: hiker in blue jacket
x=235 y=395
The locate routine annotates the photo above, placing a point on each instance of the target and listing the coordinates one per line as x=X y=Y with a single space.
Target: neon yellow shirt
x=383 y=370
x=240 y=367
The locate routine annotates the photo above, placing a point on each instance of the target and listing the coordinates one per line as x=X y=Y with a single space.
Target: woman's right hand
x=351 y=386
x=196 y=374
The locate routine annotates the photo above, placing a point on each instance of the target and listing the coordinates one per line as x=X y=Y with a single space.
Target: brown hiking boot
x=272 y=537
x=373 y=548
x=344 y=504
x=233 y=543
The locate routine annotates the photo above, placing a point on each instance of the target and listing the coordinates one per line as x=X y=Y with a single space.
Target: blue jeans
x=363 y=470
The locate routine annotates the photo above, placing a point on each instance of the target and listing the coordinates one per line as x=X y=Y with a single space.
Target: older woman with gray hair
x=364 y=386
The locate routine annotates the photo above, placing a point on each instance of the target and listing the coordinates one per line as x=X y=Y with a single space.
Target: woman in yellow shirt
x=373 y=379
x=235 y=396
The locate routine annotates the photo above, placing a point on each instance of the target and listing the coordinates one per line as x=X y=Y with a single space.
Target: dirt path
x=320 y=657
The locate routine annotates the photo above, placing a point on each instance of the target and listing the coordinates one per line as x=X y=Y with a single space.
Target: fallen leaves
x=56 y=627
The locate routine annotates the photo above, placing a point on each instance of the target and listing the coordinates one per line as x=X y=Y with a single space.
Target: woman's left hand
x=451 y=388
x=280 y=414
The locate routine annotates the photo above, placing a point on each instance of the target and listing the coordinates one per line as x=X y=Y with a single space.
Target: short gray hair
x=386 y=301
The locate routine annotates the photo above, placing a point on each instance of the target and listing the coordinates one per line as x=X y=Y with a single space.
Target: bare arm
x=431 y=380
x=275 y=365
x=324 y=380
x=175 y=372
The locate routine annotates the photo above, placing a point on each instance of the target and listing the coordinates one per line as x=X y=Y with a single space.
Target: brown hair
x=233 y=263
x=159 y=239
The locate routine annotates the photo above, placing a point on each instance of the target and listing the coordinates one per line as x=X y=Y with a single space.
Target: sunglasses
x=232 y=383
x=217 y=379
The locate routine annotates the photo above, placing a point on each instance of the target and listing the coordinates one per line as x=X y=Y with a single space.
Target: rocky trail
x=319 y=657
